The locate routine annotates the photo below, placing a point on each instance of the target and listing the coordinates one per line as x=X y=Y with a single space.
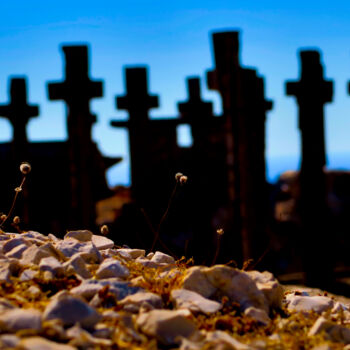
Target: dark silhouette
x=312 y=92
x=68 y=177
x=244 y=109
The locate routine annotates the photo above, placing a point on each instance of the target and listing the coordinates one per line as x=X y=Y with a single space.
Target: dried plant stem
x=218 y=240
x=165 y=215
x=148 y=221
x=17 y=190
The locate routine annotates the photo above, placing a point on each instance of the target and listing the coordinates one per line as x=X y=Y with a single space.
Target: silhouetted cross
x=312 y=93
x=195 y=109
x=18 y=111
x=137 y=101
x=77 y=90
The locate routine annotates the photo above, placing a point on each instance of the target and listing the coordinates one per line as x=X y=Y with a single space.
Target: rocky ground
x=83 y=292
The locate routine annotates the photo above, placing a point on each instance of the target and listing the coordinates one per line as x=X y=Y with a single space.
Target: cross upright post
x=18 y=112
x=244 y=108
x=312 y=92
x=76 y=91
x=197 y=113
x=137 y=102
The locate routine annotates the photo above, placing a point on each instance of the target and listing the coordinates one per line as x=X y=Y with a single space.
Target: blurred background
x=122 y=46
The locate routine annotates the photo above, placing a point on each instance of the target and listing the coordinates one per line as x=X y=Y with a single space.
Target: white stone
x=145 y=300
x=258 y=315
x=33 y=291
x=9 y=341
x=84 y=339
x=34 y=254
x=28 y=275
x=160 y=257
x=268 y=284
x=7 y=269
x=166 y=325
x=237 y=285
x=80 y=235
x=133 y=253
x=335 y=332
x=16 y=319
x=76 y=264
x=6 y=305
x=218 y=338
x=13 y=243
x=87 y=250
x=148 y=263
x=102 y=242
x=70 y=310
x=150 y=255
x=39 y=343
x=37 y=236
x=88 y=288
x=186 y=299
x=52 y=265
x=112 y=268
x=17 y=252
x=313 y=303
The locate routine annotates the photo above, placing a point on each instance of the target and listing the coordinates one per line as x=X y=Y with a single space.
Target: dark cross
x=77 y=90
x=137 y=102
x=224 y=79
x=198 y=114
x=244 y=109
x=312 y=93
x=18 y=111
x=195 y=110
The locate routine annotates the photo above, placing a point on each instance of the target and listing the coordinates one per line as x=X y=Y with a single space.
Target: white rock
x=53 y=238
x=160 y=257
x=166 y=325
x=17 y=319
x=149 y=263
x=145 y=300
x=88 y=288
x=34 y=254
x=6 y=305
x=71 y=310
x=33 y=235
x=87 y=250
x=9 y=341
x=234 y=283
x=7 y=269
x=196 y=280
x=112 y=268
x=268 y=284
x=258 y=315
x=102 y=242
x=39 y=343
x=33 y=291
x=13 y=243
x=133 y=253
x=335 y=332
x=305 y=304
x=52 y=265
x=80 y=235
x=186 y=299
x=84 y=339
x=28 y=275
x=17 y=252
x=220 y=338
x=150 y=255
x=76 y=264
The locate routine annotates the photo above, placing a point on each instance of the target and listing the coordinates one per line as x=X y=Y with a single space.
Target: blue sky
x=173 y=39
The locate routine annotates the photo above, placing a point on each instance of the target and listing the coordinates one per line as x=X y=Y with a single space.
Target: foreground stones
x=84 y=292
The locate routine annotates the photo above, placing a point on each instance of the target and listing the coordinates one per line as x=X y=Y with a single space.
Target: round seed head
x=3 y=217
x=25 y=168
x=183 y=179
x=178 y=176
x=220 y=231
x=104 y=230
x=16 y=220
